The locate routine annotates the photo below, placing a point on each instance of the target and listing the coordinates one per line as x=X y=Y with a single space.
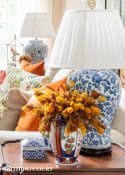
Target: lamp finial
x=91 y=4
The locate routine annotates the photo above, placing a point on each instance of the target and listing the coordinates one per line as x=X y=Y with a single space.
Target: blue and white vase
x=66 y=148
x=107 y=83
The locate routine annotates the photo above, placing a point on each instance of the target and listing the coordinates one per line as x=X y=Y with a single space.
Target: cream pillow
x=119 y=119
x=16 y=99
x=117 y=136
x=62 y=73
x=51 y=72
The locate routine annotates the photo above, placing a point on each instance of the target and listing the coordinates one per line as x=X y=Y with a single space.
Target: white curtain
x=113 y=4
x=123 y=10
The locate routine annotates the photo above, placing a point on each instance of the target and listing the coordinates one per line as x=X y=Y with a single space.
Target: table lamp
x=93 y=41
x=37 y=25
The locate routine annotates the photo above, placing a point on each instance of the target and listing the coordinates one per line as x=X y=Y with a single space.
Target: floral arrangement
x=79 y=110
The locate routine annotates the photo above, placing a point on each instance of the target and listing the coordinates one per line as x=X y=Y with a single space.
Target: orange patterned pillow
x=28 y=121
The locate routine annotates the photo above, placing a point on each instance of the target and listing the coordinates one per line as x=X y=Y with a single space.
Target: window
x=12 y=13
x=7 y=14
x=123 y=10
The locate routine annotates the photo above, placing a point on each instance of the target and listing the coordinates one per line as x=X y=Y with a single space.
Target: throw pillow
x=58 y=85
x=2 y=76
x=122 y=77
x=51 y=72
x=28 y=121
x=2 y=110
x=16 y=99
x=36 y=68
x=118 y=137
x=119 y=119
x=62 y=73
x=17 y=78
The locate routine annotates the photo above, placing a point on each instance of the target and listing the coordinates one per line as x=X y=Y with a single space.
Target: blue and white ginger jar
x=107 y=83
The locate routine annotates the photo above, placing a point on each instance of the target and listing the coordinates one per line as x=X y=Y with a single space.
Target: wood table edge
x=86 y=170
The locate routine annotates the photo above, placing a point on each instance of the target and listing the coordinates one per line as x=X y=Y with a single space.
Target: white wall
x=46 y=6
x=100 y=4
x=74 y=4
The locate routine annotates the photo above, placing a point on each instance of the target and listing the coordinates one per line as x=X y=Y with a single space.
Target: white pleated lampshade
x=93 y=39
x=37 y=25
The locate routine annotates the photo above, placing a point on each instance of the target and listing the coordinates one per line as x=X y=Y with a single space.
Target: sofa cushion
x=51 y=72
x=122 y=77
x=117 y=136
x=16 y=99
x=17 y=135
x=119 y=119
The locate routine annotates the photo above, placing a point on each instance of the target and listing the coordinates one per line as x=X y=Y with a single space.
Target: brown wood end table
x=13 y=163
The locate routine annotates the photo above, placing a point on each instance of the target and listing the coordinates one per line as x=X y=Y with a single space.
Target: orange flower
x=95 y=111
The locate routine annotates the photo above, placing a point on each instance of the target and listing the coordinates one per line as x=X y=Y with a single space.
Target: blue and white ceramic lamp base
x=107 y=83
x=36 y=49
